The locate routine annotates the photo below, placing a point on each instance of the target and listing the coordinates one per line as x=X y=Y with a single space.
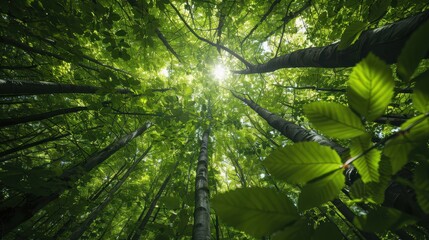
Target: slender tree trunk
x=201 y=229
x=29 y=145
x=23 y=87
x=105 y=185
x=94 y=214
x=385 y=42
x=11 y=217
x=40 y=116
x=152 y=206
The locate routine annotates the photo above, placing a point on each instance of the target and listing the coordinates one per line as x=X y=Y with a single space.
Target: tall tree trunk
x=23 y=87
x=152 y=206
x=106 y=184
x=385 y=42
x=201 y=229
x=299 y=134
x=11 y=217
x=40 y=116
x=94 y=214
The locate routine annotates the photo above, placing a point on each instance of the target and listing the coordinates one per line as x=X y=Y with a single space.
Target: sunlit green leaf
x=351 y=34
x=370 y=87
x=367 y=165
x=302 y=162
x=421 y=95
x=382 y=219
x=257 y=211
x=321 y=191
x=414 y=50
x=333 y=119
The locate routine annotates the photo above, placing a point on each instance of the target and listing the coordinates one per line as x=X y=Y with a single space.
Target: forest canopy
x=214 y=119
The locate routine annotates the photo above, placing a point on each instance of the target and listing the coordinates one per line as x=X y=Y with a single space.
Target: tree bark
x=11 y=217
x=201 y=229
x=385 y=42
x=40 y=116
x=23 y=87
x=152 y=206
x=94 y=214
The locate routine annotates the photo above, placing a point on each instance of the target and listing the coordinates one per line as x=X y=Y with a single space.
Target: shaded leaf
x=326 y=230
x=383 y=219
x=351 y=34
x=302 y=162
x=321 y=191
x=421 y=186
x=370 y=87
x=378 y=9
x=301 y=229
x=414 y=50
x=121 y=33
x=257 y=211
x=367 y=165
x=333 y=119
x=399 y=148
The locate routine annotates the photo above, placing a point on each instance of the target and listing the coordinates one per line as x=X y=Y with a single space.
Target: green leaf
x=383 y=219
x=301 y=229
x=421 y=185
x=351 y=34
x=321 y=191
x=378 y=9
x=421 y=95
x=367 y=165
x=326 y=230
x=170 y=202
x=414 y=50
x=257 y=211
x=302 y=162
x=121 y=33
x=399 y=147
x=370 y=87
x=333 y=119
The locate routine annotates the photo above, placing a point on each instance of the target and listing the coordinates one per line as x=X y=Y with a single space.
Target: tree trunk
x=23 y=87
x=94 y=214
x=152 y=206
x=11 y=217
x=105 y=185
x=39 y=116
x=385 y=42
x=201 y=229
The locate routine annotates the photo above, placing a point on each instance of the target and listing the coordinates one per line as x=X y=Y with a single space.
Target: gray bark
x=385 y=42
x=201 y=229
x=23 y=87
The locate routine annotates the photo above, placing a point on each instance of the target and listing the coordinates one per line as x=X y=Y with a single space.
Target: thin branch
x=267 y=13
x=240 y=58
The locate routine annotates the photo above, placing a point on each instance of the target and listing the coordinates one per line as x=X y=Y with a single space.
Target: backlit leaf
x=421 y=95
x=414 y=50
x=257 y=211
x=321 y=191
x=333 y=119
x=370 y=87
x=367 y=165
x=302 y=162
